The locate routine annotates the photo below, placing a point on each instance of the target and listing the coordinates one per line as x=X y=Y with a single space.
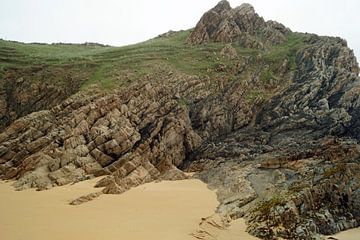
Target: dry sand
x=352 y=234
x=161 y=211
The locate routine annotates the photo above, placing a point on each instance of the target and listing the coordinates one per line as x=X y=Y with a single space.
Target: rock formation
x=133 y=137
x=277 y=137
x=28 y=89
x=241 y=24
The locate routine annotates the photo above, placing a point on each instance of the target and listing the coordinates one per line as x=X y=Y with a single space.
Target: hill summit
x=241 y=24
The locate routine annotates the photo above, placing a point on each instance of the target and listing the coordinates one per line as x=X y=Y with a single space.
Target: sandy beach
x=351 y=234
x=165 y=210
x=161 y=211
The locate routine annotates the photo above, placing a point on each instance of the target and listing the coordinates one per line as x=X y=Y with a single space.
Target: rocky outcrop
x=32 y=88
x=288 y=186
x=241 y=24
x=134 y=137
x=229 y=52
x=326 y=75
x=294 y=175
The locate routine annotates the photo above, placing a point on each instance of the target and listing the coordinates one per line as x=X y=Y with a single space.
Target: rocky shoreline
x=279 y=143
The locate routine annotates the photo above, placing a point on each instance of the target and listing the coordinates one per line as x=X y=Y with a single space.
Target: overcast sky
x=121 y=22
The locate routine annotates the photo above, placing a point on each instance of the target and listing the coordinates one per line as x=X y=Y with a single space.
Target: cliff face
x=326 y=75
x=27 y=86
x=133 y=137
x=300 y=158
x=273 y=126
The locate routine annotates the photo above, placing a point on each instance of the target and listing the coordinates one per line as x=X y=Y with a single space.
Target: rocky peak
x=241 y=24
x=244 y=9
x=222 y=6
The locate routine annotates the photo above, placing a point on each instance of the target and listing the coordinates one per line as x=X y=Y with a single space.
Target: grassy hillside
x=111 y=67
x=39 y=76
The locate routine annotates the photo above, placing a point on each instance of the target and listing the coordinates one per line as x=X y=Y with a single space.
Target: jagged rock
x=229 y=52
x=20 y=94
x=308 y=189
x=85 y=198
x=241 y=24
x=67 y=174
x=173 y=174
x=209 y=227
x=133 y=138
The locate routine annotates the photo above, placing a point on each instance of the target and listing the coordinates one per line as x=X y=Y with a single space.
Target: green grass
x=183 y=102
x=48 y=53
x=170 y=50
x=278 y=53
x=112 y=67
x=119 y=66
x=265 y=207
x=266 y=76
x=130 y=63
x=253 y=95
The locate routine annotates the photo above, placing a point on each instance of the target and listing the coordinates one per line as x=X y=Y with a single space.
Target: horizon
x=44 y=22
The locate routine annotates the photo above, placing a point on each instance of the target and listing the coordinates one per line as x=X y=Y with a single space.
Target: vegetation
x=277 y=54
x=266 y=76
x=112 y=67
x=264 y=207
x=339 y=168
x=297 y=187
x=183 y=102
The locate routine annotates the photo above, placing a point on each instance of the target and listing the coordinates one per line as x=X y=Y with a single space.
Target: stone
x=85 y=198
x=229 y=52
x=241 y=24
x=101 y=158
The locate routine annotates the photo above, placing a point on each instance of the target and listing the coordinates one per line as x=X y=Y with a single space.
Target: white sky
x=121 y=22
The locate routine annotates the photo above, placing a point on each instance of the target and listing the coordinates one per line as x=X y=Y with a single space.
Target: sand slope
x=165 y=210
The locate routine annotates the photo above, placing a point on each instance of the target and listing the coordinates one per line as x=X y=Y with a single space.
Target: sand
x=351 y=234
x=165 y=210
x=162 y=211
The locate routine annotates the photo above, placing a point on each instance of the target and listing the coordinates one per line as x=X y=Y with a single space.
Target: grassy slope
x=112 y=67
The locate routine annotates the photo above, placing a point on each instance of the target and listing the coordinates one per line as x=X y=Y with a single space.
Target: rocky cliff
x=241 y=24
x=272 y=124
x=27 y=86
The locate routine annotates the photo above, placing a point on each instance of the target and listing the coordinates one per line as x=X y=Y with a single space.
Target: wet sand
x=161 y=211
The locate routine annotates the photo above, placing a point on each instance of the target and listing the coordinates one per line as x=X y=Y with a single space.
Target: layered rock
x=134 y=138
x=241 y=24
x=322 y=93
x=285 y=184
x=28 y=89
x=293 y=173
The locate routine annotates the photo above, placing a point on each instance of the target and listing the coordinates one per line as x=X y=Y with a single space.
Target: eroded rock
x=241 y=24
